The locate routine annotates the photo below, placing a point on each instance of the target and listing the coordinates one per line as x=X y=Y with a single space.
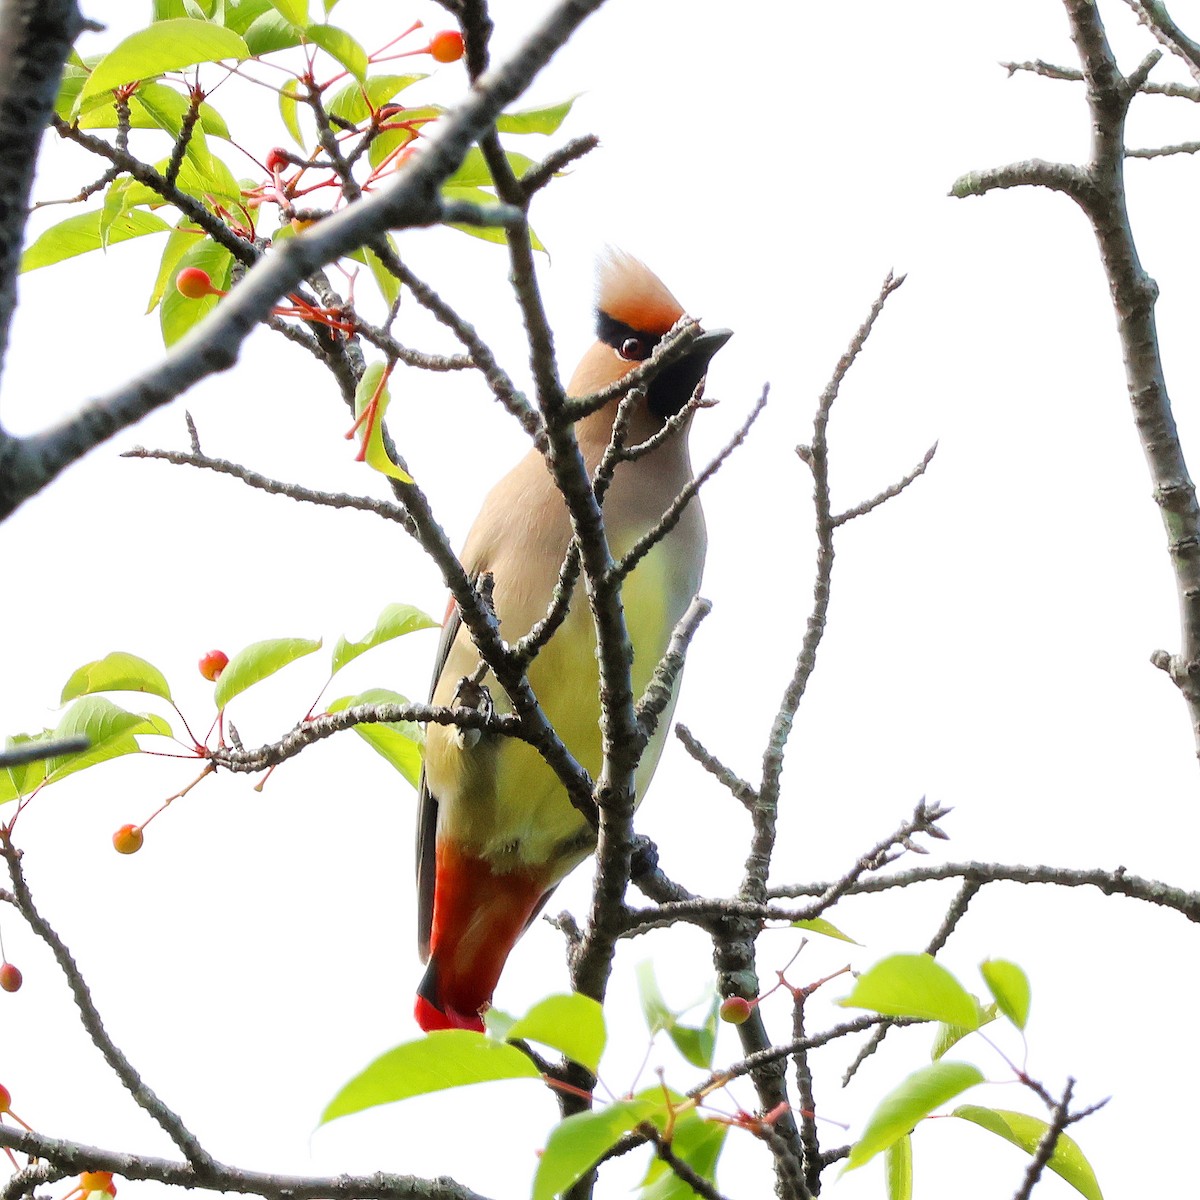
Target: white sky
x=988 y=645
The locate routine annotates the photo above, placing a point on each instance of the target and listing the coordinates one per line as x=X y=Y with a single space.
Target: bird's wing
x=427 y=810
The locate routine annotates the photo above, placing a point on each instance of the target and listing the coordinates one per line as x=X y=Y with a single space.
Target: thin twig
x=28 y=752
x=145 y=1097
x=75 y=1157
x=386 y=509
x=738 y=787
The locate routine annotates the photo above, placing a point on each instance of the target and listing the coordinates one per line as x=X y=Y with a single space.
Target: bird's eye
x=634 y=349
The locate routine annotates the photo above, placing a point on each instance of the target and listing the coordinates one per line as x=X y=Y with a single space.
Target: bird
x=496 y=831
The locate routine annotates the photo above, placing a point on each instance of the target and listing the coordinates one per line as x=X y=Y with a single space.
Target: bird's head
x=634 y=311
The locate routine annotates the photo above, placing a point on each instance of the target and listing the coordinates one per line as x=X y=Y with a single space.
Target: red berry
x=128 y=839
x=5 y=1099
x=194 y=282
x=735 y=1010
x=447 y=46
x=277 y=159
x=10 y=981
x=212 y=664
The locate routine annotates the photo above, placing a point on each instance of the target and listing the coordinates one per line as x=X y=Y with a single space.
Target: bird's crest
x=630 y=293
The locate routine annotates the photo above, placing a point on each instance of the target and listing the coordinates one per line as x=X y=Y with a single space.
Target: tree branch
x=75 y=1157
x=28 y=464
x=145 y=1097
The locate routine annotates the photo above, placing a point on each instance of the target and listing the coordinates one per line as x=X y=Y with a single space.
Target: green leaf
x=400 y=742
x=370 y=386
x=110 y=730
x=350 y=103
x=487 y=233
x=212 y=179
x=445 y=1059
x=946 y=1036
x=1009 y=986
x=72 y=83
x=899 y=1170
x=116 y=672
x=340 y=45
x=295 y=11
x=117 y=201
x=388 y=284
x=164 y=46
x=698 y=1043
x=535 y=120
x=576 y=1144
x=695 y=1043
x=257 y=662
x=81 y=235
x=572 y=1024
x=822 y=926
x=473 y=172
x=1026 y=1131
x=915 y=1098
x=698 y=1143
x=395 y=621
x=654 y=1007
x=387 y=144
x=271 y=31
x=241 y=14
x=914 y=985
x=152 y=106
x=22 y=778
x=289 y=111
x=183 y=237
x=177 y=314
x=164 y=108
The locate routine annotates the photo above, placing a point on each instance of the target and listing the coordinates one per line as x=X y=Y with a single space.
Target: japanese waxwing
x=496 y=831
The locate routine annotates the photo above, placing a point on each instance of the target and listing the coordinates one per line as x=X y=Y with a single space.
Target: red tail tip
x=430 y=1018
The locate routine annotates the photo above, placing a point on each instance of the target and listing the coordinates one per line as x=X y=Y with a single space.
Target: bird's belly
x=498 y=798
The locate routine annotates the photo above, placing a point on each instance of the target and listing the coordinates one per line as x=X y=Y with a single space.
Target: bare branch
x=1163 y=151
x=294 y=491
x=1045 y=1146
x=954 y=914
x=146 y=1099
x=412 y=199
x=72 y=1158
x=861 y=510
x=1111 y=883
x=17 y=756
x=1099 y=187
x=740 y=789
x=38 y=38
x=317 y=729
x=1153 y=14
x=675 y=509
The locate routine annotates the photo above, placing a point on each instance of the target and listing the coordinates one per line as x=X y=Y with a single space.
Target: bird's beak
x=673 y=386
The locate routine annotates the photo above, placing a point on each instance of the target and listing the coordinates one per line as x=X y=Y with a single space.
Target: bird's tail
x=478 y=914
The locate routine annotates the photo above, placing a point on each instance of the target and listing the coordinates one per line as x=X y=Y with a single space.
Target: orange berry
x=128 y=839
x=447 y=46
x=735 y=1010
x=10 y=979
x=97 y=1181
x=5 y=1099
x=212 y=664
x=194 y=283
